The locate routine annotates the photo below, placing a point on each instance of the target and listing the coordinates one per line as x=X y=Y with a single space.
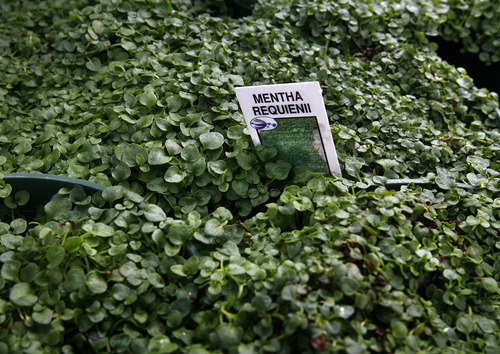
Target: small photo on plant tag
x=292 y=118
x=298 y=141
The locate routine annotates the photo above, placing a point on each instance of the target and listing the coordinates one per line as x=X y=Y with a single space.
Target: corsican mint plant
x=138 y=95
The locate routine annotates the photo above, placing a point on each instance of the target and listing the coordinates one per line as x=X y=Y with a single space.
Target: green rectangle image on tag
x=298 y=141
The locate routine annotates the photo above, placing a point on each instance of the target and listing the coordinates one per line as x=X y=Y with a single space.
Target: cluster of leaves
x=330 y=266
x=95 y=272
x=138 y=95
x=141 y=94
x=140 y=98
x=475 y=23
x=411 y=270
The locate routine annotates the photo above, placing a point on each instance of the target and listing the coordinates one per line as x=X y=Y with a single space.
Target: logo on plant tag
x=263 y=123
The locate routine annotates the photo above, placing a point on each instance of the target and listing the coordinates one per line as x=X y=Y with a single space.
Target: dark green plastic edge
x=397 y=183
x=42 y=188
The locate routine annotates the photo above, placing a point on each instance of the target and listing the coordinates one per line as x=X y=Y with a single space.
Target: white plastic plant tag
x=292 y=118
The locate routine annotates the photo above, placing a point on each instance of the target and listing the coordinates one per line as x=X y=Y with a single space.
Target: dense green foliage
x=476 y=25
x=139 y=96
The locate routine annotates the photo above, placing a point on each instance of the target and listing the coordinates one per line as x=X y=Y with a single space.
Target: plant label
x=292 y=118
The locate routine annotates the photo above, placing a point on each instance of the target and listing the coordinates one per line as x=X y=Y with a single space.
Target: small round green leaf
x=228 y=336
x=102 y=230
x=465 y=324
x=450 y=274
x=399 y=330
x=121 y=172
x=10 y=270
x=161 y=344
x=58 y=209
x=157 y=156
x=153 y=213
x=214 y=228
x=43 y=317
x=174 y=319
x=190 y=153
x=22 y=197
x=28 y=272
x=178 y=234
x=55 y=255
x=120 y=291
x=445 y=179
x=489 y=284
x=212 y=140
x=95 y=283
x=113 y=193
x=148 y=99
x=21 y=294
x=75 y=279
x=174 y=175
x=72 y=244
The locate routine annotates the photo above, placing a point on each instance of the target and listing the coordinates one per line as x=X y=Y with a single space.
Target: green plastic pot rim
x=43 y=187
x=395 y=183
x=53 y=180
